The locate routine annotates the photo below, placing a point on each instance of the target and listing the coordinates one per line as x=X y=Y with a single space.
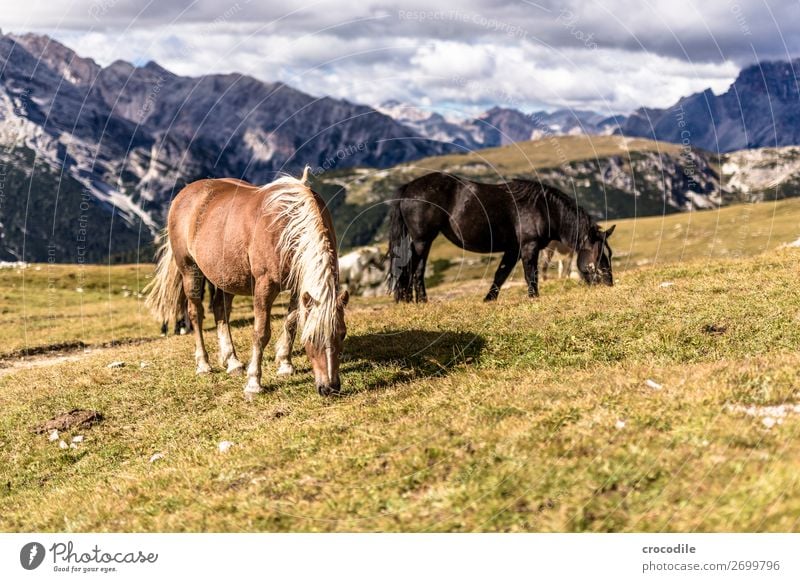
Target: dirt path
x=52 y=355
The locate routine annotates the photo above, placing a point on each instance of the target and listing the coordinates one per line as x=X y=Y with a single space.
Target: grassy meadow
x=455 y=415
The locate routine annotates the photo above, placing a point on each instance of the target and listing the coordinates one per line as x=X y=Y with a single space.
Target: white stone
x=225 y=446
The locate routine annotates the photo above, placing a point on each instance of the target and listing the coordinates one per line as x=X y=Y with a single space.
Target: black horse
x=518 y=218
x=183 y=323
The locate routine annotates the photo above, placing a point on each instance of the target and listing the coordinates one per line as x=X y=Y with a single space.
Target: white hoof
x=285 y=369
x=235 y=367
x=203 y=368
x=253 y=387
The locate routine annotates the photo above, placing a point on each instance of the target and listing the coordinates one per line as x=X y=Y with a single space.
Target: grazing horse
x=362 y=270
x=518 y=218
x=250 y=240
x=562 y=254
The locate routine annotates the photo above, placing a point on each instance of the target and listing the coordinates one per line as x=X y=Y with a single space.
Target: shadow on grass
x=377 y=361
x=418 y=353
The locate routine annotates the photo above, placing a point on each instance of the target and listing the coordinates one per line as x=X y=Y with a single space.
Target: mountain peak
x=61 y=59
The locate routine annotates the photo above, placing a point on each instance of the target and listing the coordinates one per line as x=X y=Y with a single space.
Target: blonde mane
x=305 y=243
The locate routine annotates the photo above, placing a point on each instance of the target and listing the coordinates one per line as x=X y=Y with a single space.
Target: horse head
x=594 y=257
x=324 y=355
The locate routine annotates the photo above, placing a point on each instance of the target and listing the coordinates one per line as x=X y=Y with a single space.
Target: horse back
x=221 y=227
x=477 y=217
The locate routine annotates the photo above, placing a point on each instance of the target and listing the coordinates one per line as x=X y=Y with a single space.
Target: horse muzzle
x=329 y=389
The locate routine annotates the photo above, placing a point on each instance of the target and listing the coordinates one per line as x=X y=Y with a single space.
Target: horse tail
x=400 y=280
x=165 y=295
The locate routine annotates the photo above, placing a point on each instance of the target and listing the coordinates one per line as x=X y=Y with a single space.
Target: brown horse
x=249 y=240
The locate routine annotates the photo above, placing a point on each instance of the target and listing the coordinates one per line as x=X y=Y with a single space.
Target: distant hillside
x=500 y=125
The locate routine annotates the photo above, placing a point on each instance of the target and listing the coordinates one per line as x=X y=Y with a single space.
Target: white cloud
x=609 y=55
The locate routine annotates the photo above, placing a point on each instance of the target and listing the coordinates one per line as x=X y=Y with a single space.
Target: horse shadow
x=374 y=361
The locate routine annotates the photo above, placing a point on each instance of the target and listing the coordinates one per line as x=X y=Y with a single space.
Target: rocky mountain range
x=500 y=126
x=132 y=136
x=760 y=109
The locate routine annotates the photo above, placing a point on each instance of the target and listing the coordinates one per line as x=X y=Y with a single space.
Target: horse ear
x=308 y=300
x=610 y=231
x=343 y=299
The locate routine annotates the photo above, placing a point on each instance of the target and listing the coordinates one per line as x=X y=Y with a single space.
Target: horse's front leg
x=547 y=260
x=263 y=297
x=221 y=303
x=419 y=259
x=283 y=349
x=507 y=264
x=530 y=261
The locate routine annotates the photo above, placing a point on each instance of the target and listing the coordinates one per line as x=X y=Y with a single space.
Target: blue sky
x=611 y=56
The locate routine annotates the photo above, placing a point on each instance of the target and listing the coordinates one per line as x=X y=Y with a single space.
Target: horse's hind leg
x=192 y=283
x=530 y=262
x=221 y=304
x=264 y=295
x=283 y=349
x=547 y=260
x=419 y=259
x=507 y=264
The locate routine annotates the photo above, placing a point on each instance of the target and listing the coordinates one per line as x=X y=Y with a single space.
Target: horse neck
x=568 y=224
x=313 y=268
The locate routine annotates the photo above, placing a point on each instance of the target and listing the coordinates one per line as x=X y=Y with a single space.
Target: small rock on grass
x=769 y=422
x=144 y=365
x=53 y=436
x=77 y=438
x=62 y=445
x=225 y=446
x=116 y=365
x=156 y=457
x=653 y=384
x=620 y=424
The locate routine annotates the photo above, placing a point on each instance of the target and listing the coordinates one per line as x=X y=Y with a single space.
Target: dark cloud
x=606 y=54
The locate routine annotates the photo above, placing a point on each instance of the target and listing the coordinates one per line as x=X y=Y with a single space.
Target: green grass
x=522 y=157
x=455 y=415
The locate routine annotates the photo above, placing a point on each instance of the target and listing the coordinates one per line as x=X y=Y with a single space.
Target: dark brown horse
x=249 y=240
x=517 y=218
